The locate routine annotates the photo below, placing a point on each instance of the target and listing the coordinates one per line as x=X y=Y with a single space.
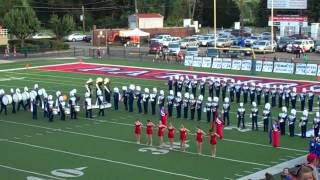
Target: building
x=3 y=36
x=145 y=20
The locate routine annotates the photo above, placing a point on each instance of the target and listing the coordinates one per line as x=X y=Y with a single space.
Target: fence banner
x=236 y=64
x=282 y=67
x=258 y=66
x=267 y=66
x=188 y=60
x=197 y=62
x=226 y=63
x=311 y=69
x=206 y=62
x=246 y=65
x=217 y=63
x=301 y=68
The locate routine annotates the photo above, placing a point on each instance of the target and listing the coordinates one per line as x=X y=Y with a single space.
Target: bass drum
x=17 y=98
x=25 y=96
x=6 y=99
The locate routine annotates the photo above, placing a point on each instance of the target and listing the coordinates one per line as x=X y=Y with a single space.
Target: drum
x=33 y=94
x=67 y=110
x=55 y=111
x=25 y=96
x=6 y=99
x=95 y=107
x=40 y=92
x=89 y=107
x=77 y=108
x=107 y=105
x=17 y=97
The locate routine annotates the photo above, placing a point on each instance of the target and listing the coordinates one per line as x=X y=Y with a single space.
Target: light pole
x=215 y=22
x=272 y=36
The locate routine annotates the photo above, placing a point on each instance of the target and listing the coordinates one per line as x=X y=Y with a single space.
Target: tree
x=22 y=23
x=262 y=14
x=62 y=27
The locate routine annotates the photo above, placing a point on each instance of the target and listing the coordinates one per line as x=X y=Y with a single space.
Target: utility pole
x=136 y=6
x=83 y=20
x=215 y=22
x=272 y=35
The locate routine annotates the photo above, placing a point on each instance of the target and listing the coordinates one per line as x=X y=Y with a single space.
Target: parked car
x=204 y=40
x=155 y=48
x=305 y=45
x=251 y=40
x=188 y=41
x=240 y=32
x=192 y=51
x=282 y=43
x=265 y=35
x=223 y=42
x=263 y=45
x=317 y=46
x=160 y=38
x=42 y=36
x=166 y=41
x=87 y=38
x=213 y=52
x=75 y=37
x=174 y=48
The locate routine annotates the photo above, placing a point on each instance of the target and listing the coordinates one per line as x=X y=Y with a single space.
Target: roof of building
x=148 y=15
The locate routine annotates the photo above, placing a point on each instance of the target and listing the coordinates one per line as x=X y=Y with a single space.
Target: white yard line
x=227 y=178
x=105 y=160
x=130 y=142
x=36 y=67
x=30 y=172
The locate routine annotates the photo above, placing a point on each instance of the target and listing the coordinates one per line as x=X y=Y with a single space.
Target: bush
x=36 y=45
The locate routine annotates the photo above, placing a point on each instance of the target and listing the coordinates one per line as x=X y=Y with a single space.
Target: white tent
x=134 y=32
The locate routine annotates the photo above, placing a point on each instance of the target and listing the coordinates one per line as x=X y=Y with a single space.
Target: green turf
x=94 y=143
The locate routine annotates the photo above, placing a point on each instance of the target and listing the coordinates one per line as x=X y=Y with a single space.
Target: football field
x=105 y=147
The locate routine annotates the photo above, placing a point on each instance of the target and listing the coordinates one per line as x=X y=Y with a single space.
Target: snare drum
x=55 y=111
x=77 y=108
x=25 y=96
x=17 y=98
x=6 y=99
x=95 y=107
x=67 y=110
x=107 y=105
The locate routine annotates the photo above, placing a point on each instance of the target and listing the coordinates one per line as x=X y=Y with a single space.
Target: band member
x=131 y=97
x=99 y=82
x=20 y=102
x=125 y=95
x=170 y=102
x=88 y=86
x=34 y=107
x=44 y=105
x=171 y=135
x=240 y=115
x=185 y=105
x=161 y=99
x=224 y=88
x=310 y=99
x=28 y=103
x=211 y=87
x=100 y=103
x=194 y=85
x=88 y=105
x=293 y=97
x=202 y=86
x=274 y=96
x=199 y=107
x=50 y=105
x=13 y=102
x=180 y=84
x=245 y=90
x=282 y=118
x=170 y=83
x=145 y=100
x=137 y=130
x=178 y=104
x=153 y=100
x=217 y=87
x=266 y=117
x=213 y=141
x=186 y=84
x=287 y=92
x=57 y=102
x=226 y=110
x=107 y=92
x=291 y=122
x=38 y=98
x=192 y=104
x=161 y=128
x=175 y=84
x=163 y=116
x=238 y=90
x=254 y=116
x=138 y=96
x=259 y=93
x=316 y=124
x=73 y=103
x=149 y=131
x=302 y=97
x=116 y=98
x=266 y=93
x=62 y=105
x=252 y=92
x=183 y=137
x=199 y=139
x=280 y=96
x=303 y=123
x=218 y=122
x=208 y=109
x=215 y=107
x=3 y=106
x=231 y=89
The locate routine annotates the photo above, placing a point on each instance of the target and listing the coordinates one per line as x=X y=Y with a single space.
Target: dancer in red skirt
x=213 y=141
x=149 y=129
x=164 y=116
x=183 y=137
x=219 y=122
x=137 y=130
x=161 y=128
x=199 y=139
x=171 y=135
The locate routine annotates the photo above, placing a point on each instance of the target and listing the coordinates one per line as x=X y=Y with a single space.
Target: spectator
x=285 y=174
x=269 y=176
x=312 y=162
x=305 y=173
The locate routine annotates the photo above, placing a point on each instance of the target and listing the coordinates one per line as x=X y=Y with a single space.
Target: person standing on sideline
x=213 y=141
x=183 y=137
x=199 y=139
x=149 y=132
x=254 y=116
x=137 y=130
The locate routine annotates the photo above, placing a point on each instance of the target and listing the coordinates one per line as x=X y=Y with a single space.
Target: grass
x=106 y=145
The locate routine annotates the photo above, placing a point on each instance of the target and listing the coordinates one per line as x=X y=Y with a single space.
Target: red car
x=155 y=48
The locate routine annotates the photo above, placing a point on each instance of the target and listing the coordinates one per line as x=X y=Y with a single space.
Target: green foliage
x=22 y=23
x=37 y=45
x=262 y=14
x=62 y=27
